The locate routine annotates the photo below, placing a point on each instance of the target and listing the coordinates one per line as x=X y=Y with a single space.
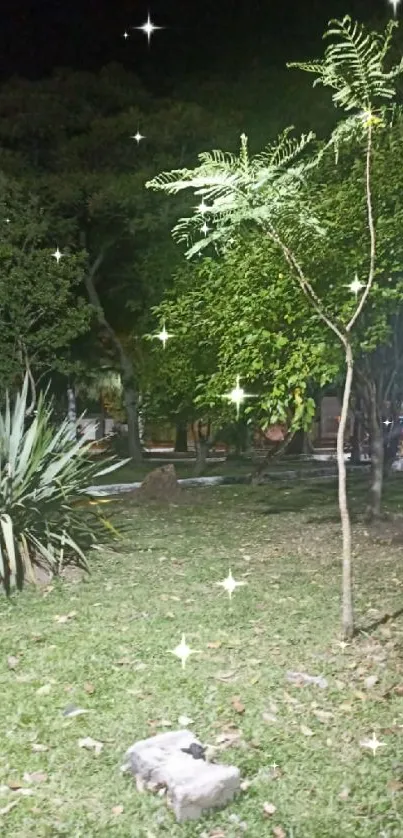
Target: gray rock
x=194 y=786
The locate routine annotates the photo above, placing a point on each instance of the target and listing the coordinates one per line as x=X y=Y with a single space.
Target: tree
x=268 y=191
x=41 y=310
x=73 y=137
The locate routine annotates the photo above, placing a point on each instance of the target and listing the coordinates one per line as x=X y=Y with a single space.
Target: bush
x=43 y=471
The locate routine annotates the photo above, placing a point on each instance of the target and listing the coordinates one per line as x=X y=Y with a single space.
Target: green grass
x=112 y=658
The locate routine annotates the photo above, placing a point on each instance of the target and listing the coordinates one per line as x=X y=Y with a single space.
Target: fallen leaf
x=117 y=810
x=184 y=721
x=71 y=711
x=237 y=705
x=225 y=676
x=6 y=809
x=45 y=690
x=269 y=808
x=398 y=689
x=15 y=785
x=38 y=748
x=306 y=730
x=12 y=661
x=91 y=745
x=245 y=785
x=300 y=679
x=269 y=718
x=215 y=644
x=345 y=793
x=89 y=688
x=323 y=715
x=64 y=618
x=395 y=785
x=35 y=777
x=370 y=681
x=278 y=832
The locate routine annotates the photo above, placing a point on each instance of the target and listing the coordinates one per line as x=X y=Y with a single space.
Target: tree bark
x=72 y=410
x=356 y=440
x=377 y=457
x=202 y=443
x=347 y=590
x=126 y=367
x=181 y=437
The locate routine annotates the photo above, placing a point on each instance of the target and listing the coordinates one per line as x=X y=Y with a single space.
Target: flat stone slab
x=194 y=786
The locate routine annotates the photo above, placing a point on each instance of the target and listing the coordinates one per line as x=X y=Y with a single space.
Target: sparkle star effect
x=387 y=422
x=204 y=229
x=229 y=584
x=138 y=137
x=148 y=28
x=355 y=286
x=395 y=4
x=163 y=335
x=183 y=651
x=372 y=744
x=57 y=255
x=202 y=208
x=125 y=35
x=238 y=395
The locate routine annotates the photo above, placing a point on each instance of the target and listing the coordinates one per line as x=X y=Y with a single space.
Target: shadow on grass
x=387 y=618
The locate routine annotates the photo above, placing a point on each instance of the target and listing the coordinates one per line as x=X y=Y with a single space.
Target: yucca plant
x=43 y=472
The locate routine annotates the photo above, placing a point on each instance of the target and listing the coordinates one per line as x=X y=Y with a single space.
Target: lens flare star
x=138 y=137
x=57 y=255
x=372 y=744
x=204 y=229
x=148 y=28
x=355 y=286
x=394 y=4
x=183 y=651
x=238 y=395
x=202 y=208
x=229 y=584
x=163 y=335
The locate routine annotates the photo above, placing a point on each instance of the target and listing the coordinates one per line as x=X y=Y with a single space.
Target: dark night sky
x=200 y=36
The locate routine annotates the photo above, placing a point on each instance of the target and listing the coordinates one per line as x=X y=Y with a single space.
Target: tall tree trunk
x=72 y=409
x=181 y=437
x=130 y=393
x=377 y=456
x=202 y=442
x=356 y=439
x=347 y=591
x=100 y=432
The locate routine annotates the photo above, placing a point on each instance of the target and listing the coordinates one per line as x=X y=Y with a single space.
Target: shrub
x=43 y=472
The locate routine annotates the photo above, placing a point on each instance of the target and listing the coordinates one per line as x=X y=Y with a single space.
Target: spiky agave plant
x=268 y=190
x=43 y=472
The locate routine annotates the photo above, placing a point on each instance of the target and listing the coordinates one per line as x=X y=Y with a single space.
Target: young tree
x=269 y=191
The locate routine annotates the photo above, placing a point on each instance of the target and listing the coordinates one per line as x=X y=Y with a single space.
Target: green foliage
x=41 y=310
x=354 y=66
x=42 y=472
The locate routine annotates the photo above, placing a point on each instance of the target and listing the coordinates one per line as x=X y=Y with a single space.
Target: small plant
x=43 y=471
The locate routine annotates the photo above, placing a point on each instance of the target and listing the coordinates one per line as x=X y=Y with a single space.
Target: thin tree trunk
x=202 y=442
x=347 y=591
x=100 y=432
x=72 y=410
x=181 y=437
x=356 y=440
x=377 y=458
x=130 y=392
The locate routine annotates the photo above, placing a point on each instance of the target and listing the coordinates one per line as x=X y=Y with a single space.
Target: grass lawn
x=103 y=645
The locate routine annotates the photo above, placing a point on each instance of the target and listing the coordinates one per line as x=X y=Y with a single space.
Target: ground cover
x=103 y=645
